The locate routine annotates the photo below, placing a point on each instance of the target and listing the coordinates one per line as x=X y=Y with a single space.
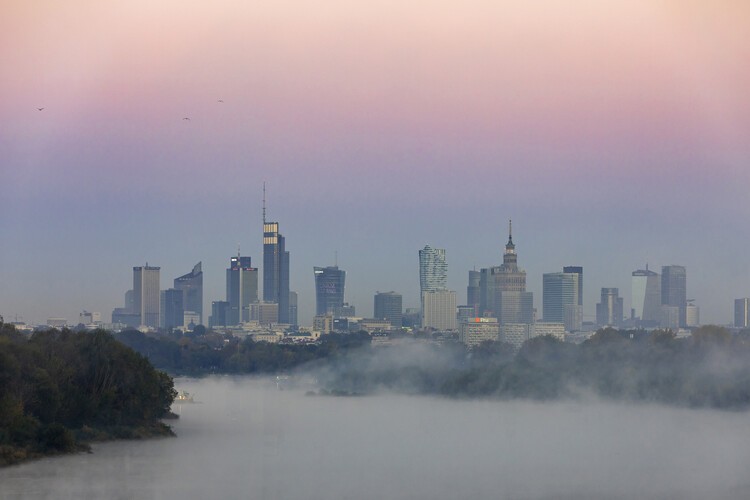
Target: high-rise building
x=389 y=305
x=692 y=315
x=219 y=313
x=473 y=291
x=242 y=289
x=560 y=300
x=191 y=285
x=579 y=271
x=609 y=310
x=439 y=310
x=172 y=308
x=275 y=266
x=742 y=313
x=646 y=297
x=502 y=289
x=276 y=269
x=147 y=295
x=433 y=269
x=329 y=289
x=674 y=289
x=293 y=309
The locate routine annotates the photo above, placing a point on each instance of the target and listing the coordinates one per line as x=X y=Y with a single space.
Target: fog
x=248 y=439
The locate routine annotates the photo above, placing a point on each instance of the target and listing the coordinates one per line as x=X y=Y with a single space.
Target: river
x=246 y=439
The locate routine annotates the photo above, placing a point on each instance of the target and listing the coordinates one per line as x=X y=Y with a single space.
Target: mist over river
x=247 y=439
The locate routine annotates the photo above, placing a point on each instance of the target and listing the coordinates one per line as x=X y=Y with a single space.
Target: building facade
x=389 y=306
x=646 y=297
x=147 y=295
x=560 y=300
x=474 y=331
x=742 y=313
x=329 y=289
x=609 y=310
x=172 y=308
x=674 y=289
x=439 y=310
x=191 y=285
x=275 y=269
x=433 y=269
x=502 y=289
x=242 y=289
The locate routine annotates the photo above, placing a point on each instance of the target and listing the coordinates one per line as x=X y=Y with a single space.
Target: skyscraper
x=674 y=289
x=646 y=297
x=389 y=305
x=560 y=300
x=502 y=289
x=433 y=269
x=473 y=291
x=191 y=285
x=579 y=271
x=172 y=308
x=742 y=313
x=439 y=310
x=293 y=309
x=329 y=289
x=275 y=269
x=609 y=310
x=242 y=289
x=147 y=295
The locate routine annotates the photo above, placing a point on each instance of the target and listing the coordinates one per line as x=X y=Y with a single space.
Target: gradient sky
x=614 y=133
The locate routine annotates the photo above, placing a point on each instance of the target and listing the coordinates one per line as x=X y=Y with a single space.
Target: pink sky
x=618 y=102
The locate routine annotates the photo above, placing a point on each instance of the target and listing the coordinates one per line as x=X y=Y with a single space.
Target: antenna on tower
x=264 y=202
x=510 y=228
x=336 y=258
x=238 y=251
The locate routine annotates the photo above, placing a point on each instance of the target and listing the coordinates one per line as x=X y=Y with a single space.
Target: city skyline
x=615 y=135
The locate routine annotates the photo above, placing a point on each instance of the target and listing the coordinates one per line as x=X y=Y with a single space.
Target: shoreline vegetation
x=61 y=390
x=709 y=369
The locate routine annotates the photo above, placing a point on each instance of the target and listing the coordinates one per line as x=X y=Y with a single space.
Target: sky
x=613 y=133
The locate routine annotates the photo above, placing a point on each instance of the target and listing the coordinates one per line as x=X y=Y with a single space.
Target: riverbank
x=67 y=441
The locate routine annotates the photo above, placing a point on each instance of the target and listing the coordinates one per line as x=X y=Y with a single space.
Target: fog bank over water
x=249 y=440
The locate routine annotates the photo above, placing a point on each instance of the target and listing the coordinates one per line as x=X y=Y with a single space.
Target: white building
x=474 y=331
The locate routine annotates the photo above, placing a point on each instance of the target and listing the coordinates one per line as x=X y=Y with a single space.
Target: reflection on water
x=249 y=440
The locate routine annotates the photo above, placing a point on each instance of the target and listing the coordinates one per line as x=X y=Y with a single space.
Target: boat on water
x=183 y=398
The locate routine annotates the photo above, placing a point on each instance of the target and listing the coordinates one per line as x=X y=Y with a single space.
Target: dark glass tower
x=191 y=285
x=674 y=289
x=329 y=289
x=275 y=269
x=242 y=289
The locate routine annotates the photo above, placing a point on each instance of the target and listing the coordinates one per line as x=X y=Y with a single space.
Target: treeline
x=709 y=369
x=59 y=389
x=219 y=353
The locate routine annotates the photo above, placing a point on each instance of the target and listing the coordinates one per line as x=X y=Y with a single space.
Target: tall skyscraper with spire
x=503 y=288
x=275 y=266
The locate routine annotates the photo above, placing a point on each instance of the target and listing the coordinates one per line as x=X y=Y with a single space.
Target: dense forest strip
x=60 y=389
x=709 y=369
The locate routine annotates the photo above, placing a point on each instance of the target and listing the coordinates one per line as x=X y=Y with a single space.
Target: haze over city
x=614 y=135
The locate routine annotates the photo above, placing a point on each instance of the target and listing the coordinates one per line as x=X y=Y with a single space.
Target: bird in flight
x=40 y=109
x=220 y=100
x=186 y=118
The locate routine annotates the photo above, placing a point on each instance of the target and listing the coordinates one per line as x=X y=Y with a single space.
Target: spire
x=509 y=247
x=264 y=202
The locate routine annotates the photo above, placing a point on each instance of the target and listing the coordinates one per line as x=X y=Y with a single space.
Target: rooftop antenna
x=336 y=258
x=238 y=251
x=264 y=202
